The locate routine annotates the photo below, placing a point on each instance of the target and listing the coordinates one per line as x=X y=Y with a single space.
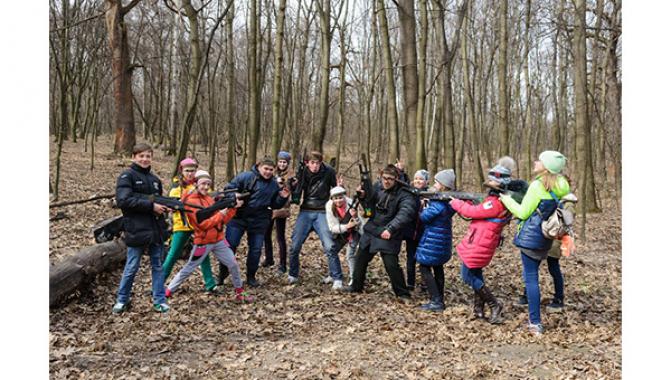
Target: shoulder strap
x=499 y=220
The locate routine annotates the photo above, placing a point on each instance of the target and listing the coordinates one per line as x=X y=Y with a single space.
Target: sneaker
x=337 y=285
x=267 y=263
x=120 y=307
x=281 y=269
x=242 y=296
x=161 y=308
x=168 y=292
x=536 y=329
x=556 y=306
x=292 y=280
x=351 y=281
x=216 y=290
x=327 y=280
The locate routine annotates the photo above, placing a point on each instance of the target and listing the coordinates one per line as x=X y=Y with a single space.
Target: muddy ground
x=308 y=331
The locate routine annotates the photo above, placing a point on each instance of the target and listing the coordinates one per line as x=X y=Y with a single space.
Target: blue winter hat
x=423 y=173
x=502 y=172
x=284 y=155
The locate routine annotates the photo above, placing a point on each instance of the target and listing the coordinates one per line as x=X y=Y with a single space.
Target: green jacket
x=536 y=193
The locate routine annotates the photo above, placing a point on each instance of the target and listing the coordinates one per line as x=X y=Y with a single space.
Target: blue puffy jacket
x=435 y=243
x=264 y=197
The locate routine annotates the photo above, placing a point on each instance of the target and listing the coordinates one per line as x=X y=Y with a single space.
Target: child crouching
x=208 y=238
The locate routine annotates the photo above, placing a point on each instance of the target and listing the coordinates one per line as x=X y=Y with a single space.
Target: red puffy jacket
x=210 y=230
x=488 y=220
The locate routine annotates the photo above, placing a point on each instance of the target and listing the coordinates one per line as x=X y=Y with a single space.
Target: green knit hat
x=553 y=161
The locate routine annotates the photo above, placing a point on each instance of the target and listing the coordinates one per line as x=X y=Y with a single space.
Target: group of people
x=393 y=213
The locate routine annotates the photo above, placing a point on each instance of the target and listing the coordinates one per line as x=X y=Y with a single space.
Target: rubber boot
x=478 y=309
x=496 y=307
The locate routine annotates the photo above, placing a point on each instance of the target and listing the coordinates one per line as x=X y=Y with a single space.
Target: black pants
x=435 y=283
x=281 y=241
x=410 y=246
x=391 y=264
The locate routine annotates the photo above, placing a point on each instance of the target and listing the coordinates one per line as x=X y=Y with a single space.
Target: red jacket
x=479 y=244
x=209 y=231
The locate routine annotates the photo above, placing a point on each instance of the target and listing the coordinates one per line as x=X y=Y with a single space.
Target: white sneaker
x=351 y=282
x=337 y=285
x=292 y=280
x=327 y=280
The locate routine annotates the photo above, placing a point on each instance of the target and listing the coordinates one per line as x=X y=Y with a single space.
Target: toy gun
x=226 y=199
x=173 y=204
x=299 y=179
x=447 y=195
x=366 y=185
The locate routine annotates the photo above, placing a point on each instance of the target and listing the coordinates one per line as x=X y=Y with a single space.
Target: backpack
x=561 y=220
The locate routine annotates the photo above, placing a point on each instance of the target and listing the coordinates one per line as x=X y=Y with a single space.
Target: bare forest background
x=435 y=83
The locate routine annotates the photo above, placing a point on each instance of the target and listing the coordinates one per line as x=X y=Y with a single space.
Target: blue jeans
x=555 y=271
x=255 y=240
x=532 y=281
x=133 y=257
x=308 y=220
x=472 y=277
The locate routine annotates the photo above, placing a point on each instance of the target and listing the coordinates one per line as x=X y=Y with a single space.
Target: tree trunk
x=420 y=154
x=408 y=62
x=324 y=24
x=121 y=75
x=254 y=121
x=278 y=73
x=503 y=102
x=230 y=93
x=387 y=63
x=583 y=126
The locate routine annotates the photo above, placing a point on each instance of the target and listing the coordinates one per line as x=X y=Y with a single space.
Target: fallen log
x=77 y=271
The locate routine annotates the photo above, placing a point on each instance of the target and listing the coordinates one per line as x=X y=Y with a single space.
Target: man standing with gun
x=144 y=225
x=393 y=208
x=313 y=186
x=254 y=217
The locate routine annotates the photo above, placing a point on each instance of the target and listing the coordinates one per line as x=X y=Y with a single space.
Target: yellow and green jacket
x=176 y=192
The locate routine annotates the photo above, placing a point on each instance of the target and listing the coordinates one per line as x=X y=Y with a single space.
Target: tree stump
x=79 y=270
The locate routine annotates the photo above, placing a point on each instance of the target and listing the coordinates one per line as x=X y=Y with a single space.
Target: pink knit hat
x=188 y=161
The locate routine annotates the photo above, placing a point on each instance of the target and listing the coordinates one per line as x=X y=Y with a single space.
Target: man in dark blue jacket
x=255 y=216
x=144 y=225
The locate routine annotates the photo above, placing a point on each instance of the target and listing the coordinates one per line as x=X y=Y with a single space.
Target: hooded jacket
x=536 y=207
x=264 y=197
x=210 y=230
x=435 y=243
x=394 y=209
x=133 y=188
x=479 y=244
x=176 y=192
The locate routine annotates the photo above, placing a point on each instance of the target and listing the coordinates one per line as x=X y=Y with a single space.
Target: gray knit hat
x=502 y=172
x=446 y=177
x=423 y=173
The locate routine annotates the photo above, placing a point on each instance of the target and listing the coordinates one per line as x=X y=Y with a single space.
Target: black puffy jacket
x=395 y=210
x=316 y=189
x=142 y=227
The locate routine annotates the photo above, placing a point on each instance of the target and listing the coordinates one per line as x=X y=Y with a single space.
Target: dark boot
x=478 y=309
x=496 y=307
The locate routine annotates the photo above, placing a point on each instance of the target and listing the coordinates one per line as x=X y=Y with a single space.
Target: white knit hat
x=202 y=175
x=337 y=190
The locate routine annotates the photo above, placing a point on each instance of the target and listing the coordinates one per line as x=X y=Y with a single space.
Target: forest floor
x=309 y=331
